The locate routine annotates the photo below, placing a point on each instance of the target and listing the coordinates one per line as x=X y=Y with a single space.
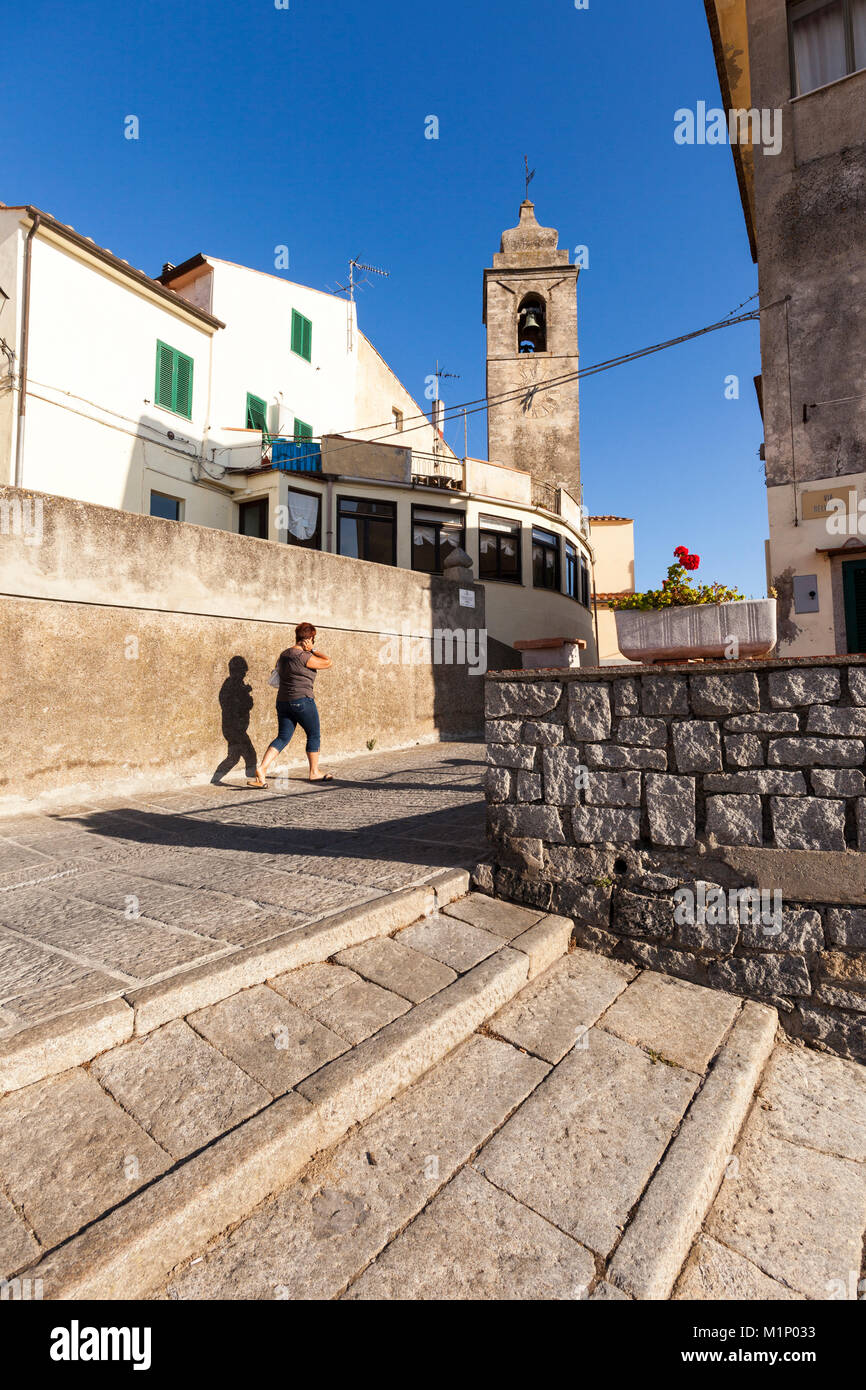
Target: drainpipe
x=206 y=431
x=594 y=606
x=329 y=503
x=25 y=340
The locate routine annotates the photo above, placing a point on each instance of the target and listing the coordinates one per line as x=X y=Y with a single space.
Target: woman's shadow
x=236 y=703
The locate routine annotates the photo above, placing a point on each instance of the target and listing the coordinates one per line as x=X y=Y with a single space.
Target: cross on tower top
x=528 y=176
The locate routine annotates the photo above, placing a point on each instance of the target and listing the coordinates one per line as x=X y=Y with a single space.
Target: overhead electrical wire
x=481 y=403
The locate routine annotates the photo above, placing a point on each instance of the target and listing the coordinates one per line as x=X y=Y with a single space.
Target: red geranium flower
x=680 y=551
x=691 y=562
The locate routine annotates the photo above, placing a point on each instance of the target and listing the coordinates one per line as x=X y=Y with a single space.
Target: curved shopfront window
x=435 y=533
x=499 y=542
x=545 y=559
x=367 y=530
x=304 y=521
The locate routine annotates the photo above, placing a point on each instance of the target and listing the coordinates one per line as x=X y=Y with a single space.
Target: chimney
x=438 y=417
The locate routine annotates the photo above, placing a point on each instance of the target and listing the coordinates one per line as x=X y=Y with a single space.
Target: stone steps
x=74 y=1038
x=132 y=1162
x=788 y=1220
x=572 y=1149
x=658 y=1239
x=464 y=1109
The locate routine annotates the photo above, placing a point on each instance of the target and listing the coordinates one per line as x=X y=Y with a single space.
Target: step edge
x=173 y=1218
x=71 y=1039
x=674 y=1206
x=58 y=1044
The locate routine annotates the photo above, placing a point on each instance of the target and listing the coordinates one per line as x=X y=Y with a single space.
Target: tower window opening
x=532 y=325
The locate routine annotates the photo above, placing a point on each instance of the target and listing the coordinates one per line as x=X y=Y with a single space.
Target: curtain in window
x=858 y=19
x=303 y=515
x=819 y=47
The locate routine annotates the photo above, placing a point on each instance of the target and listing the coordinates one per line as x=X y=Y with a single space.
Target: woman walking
x=297 y=667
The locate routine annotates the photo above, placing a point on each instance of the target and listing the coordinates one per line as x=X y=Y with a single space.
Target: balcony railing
x=545 y=495
x=291 y=455
x=435 y=470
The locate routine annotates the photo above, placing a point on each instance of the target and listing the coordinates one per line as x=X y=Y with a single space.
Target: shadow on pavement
x=278 y=824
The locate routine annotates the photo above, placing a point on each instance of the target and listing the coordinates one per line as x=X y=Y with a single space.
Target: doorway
x=854 y=591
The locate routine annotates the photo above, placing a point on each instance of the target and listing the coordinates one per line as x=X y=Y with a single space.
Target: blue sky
x=305 y=126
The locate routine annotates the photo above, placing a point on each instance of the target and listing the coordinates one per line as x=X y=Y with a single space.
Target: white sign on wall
x=467 y=598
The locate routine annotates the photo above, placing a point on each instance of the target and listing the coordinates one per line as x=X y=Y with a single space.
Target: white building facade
x=223 y=396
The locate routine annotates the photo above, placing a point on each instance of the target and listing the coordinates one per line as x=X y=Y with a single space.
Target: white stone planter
x=700 y=631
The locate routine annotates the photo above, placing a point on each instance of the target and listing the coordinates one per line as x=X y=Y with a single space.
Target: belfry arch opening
x=532 y=324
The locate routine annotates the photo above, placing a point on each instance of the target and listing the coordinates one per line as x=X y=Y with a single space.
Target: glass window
x=166 y=507
x=367 y=530
x=253 y=518
x=828 y=40
x=304 y=519
x=545 y=559
x=858 y=24
x=499 y=549
x=577 y=574
x=435 y=534
x=585 y=594
x=571 y=571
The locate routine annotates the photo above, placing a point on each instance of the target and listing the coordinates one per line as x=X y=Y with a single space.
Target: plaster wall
x=116 y=633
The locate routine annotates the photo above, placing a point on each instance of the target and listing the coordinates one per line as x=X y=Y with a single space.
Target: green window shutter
x=173 y=388
x=257 y=413
x=163 y=393
x=302 y=336
x=183 y=385
x=303 y=430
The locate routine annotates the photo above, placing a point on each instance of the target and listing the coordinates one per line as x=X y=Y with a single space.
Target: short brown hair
x=304 y=631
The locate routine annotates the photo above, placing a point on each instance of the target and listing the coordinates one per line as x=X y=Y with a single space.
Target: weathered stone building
x=804 y=63
x=530 y=311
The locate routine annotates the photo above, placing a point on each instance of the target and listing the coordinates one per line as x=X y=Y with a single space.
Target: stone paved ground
x=788 y=1219
x=104 y=898
x=512 y=1169
x=76 y=1146
x=549 y=1154
x=598 y=1134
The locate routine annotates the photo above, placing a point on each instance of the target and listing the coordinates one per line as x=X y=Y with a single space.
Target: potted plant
x=683 y=621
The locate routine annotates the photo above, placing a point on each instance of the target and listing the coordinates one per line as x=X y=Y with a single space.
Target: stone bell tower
x=530 y=310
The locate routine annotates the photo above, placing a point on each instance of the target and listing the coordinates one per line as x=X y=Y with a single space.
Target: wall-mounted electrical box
x=805 y=593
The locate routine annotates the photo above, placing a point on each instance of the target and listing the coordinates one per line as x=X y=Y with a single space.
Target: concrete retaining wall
x=642 y=804
x=117 y=632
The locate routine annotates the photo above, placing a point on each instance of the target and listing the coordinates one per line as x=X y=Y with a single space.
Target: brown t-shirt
x=296 y=678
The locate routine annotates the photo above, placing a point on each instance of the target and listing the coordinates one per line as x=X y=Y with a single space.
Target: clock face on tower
x=534 y=403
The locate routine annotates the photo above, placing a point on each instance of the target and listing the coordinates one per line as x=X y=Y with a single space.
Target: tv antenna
x=350 y=287
x=439 y=374
x=437 y=413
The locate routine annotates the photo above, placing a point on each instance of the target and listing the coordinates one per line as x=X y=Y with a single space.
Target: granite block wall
x=705 y=820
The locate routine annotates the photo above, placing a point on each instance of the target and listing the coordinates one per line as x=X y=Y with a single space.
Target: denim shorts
x=290 y=713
